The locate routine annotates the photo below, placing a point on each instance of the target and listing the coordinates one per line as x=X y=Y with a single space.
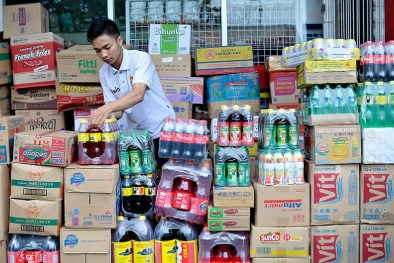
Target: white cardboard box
x=169 y=39
x=375 y=146
x=85 y=114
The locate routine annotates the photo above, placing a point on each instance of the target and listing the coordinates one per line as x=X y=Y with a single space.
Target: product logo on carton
x=216 y=213
x=40 y=123
x=68 y=88
x=32 y=211
x=327 y=188
x=322 y=149
x=71 y=240
x=378 y=188
x=376 y=247
x=35 y=152
x=327 y=248
x=230 y=223
x=162 y=31
x=231 y=211
x=215 y=225
x=35 y=173
x=77 y=179
x=286 y=203
x=270 y=237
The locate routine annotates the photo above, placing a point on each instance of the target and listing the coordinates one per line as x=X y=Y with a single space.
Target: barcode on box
x=20 y=106
x=263 y=250
x=32 y=228
x=41 y=192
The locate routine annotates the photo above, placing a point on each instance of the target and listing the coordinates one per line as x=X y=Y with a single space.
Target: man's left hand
x=98 y=116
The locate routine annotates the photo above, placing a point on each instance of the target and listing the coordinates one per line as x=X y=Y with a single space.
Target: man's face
x=108 y=49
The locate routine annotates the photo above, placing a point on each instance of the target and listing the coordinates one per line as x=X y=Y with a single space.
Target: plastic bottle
x=224 y=253
x=269 y=168
x=124 y=158
x=389 y=49
x=298 y=167
x=279 y=167
x=96 y=144
x=232 y=172
x=201 y=141
x=367 y=112
x=149 y=195
x=15 y=247
x=188 y=140
x=293 y=136
x=186 y=242
x=282 y=125
x=220 y=168
x=340 y=105
x=109 y=141
x=351 y=100
x=260 y=124
x=379 y=62
x=127 y=201
x=135 y=158
x=51 y=250
x=390 y=105
x=177 y=148
x=223 y=126
x=328 y=103
x=243 y=168
x=304 y=107
x=143 y=242
x=165 y=241
x=166 y=135
x=247 y=127
x=314 y=101
x=122 y=242
x=351 y=246
x=288 y=167
x=380 y=105
x=236 y=119
x=83 y=143
x=137 y=196
x=183 y=192
x=353 y=186
x=368 y=61
x=269 y=130
x=355 y=146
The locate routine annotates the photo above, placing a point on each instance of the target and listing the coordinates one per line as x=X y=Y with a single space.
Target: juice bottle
x=289 y=167
x=122 y=242
x=282 y=125
x=247 y=127
x=293 y=129
x=235 y=126
x=232 y=172
x=96 y=147
x=298 y=167
x=83 y=143
x=269 y=168
x=269 y=130
x=279 y=167
x=223 y=127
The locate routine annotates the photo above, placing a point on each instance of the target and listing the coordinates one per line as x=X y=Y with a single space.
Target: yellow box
x=333 y=54
x=327 y=65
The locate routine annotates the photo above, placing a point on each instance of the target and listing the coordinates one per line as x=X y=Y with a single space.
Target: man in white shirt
x=130 y=84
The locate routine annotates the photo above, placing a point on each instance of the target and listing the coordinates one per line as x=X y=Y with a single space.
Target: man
x=130 y=84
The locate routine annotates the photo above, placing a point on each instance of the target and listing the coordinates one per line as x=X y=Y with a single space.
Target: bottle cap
x=120 y=218
x=223 y=107
x=247 y=106
x=380 y=83
x=142 y=217
x=107 y=121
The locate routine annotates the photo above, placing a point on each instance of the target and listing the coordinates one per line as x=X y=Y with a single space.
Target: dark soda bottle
x=51 y=250
x=186 y=244
x=166 y=137
x=201 y=140
x=15 y=249
x=96 y=148
x=188 y=140
x=165 y=241
x=143 y=240
x=183 y=193
x=379 y=62
x=149 y=195
x=177 y=139
x=389 y=48
x=126 y=196
x=122 y=246
x=137 y=195
x=235 y=126
x=368 y=61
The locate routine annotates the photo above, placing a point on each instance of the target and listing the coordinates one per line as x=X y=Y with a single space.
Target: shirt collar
x=125 y=62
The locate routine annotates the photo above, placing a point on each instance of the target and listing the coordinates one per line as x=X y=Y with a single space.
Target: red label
x=230 y=223
x=177 y=137
x=325 y=187
x=181 y=200
x=373 y=247
x=375 y=187
x=163 y=198
x=34 y=256
x=69 y=102
x=325 y=248
x=33 y=57
x=187 y=251
x=380 y=59
x=231 y=211
x=247 y=133
x=188 y=138
x=270 y=237
x=16 y=257
x=367 y=59
x=199 y=206
x=200 y=139
x=51 y=257
x=165 y=136
x=59 y=144
x=390 y=59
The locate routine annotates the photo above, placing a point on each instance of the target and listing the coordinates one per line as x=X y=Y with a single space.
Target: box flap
x=92 y=241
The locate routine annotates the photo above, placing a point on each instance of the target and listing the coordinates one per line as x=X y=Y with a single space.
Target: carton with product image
x=376 y=243
x=335 y=243
x=334 y=193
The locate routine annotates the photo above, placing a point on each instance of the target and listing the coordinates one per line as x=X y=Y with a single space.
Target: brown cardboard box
x=269 y=242
x=35 y=217
x=331 y=243
x=9 y=125
x=307 y=79
x=376 y=243
x=229 y=225
x=172 y=65
x=5 y=100
x=377 y=204
x=281 y=260
x=25 y=19
x=85 y=246
x=34 y=59
x=72 y=96
x=183 y=110
x=46 y=147
x=233 y=196
x=42 y=119
x=30 y=181
x=334 y=144
x=91 y=196
x=282 y=205
x=33 y=98
x=183 y=89
x=5 y=63
x=227 y=213
x=4 y=200
x=273 y=64
x=3 y=251
x=332 y=201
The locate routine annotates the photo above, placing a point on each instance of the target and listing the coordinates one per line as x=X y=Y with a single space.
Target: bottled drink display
x=223 y=247
x=184 y=190
x=33 y=249
x=232 y=166
x=184 y=139
x=377 y=60
x=136 y=153
x=98 y=145
x=175 y=241
x=235 y=126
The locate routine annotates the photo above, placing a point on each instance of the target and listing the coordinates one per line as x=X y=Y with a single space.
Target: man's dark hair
x=102 y=26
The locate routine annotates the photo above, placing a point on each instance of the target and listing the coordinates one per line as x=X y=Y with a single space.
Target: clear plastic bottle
x=380 y=105
x=143 y=241
x=51 y=250
x=367 y=107
x=269 y=130
x=390 y=105
x=83 y=143
x=293 y=136
x=314 y=101
x=247 y=127
x=328 y=106
x=223 y=126
x=166 y=136
x=109 y=142
x=122 y=242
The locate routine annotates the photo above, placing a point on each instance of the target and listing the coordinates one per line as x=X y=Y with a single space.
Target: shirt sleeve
x=144 y=69
x=108 y=95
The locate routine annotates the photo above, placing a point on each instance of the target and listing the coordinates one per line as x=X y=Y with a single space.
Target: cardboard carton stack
x=169 y=49
x=4 y=210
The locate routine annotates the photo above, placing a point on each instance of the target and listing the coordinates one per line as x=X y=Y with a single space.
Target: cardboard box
x=35 y=217
x=53 y=148
x=167 y=39
x=281 y=205
x=377 y=204
x=79 y=63
x=242 y=88
x=271 y=242
x=183 y=110
x=233 y=196
x=5 y=63
x=183 y=89
x=85 y=245
x=334 y=144
x=5 y=100
x=307 y=79
x=36 y=182
x=283 y=87
x=273 y=63
x=281 y=260
x=375 y=149
x=25 y=19
x=34 y=59
x=9 y=125
x=4 y=200
x=285 y=106
x=172 y=65
x=334 y=193
x=34 y=98
x=327 y=66
x=376 y=243
x=3 y=251
x=42 y=119
x=335 y=243
x=85 y=114
x=228 y=224
x=92 y=196
x=226 y=213
x=224 y=60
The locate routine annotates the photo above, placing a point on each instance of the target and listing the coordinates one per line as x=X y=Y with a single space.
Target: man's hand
x=99 y=115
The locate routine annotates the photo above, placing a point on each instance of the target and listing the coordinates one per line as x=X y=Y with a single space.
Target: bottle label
x=187 y=251
x=381 y=99
x=127 y=191
x=339 y=149
x=150 y=191
x=123 y=251
x=163 y=198
x=143 y=251
x=182 y=200
x=138 y=190
x=380 y=59
x=178 y=137
x=166 y=136
x=199 y=206
x=281 y=136
x=188 y=138
x=16 y=256
x=95 y=137
x=368 y=100
x=32 y=255
x=247 y=133
x=390 y=59
x=108 y=137
x=367 y=59
x=83 y=137
x=166 y=251
x=243 y=174
x=51 y=256
x=232 y=174
x=235 y=134
x=200 y=139
x=293 y=135
x=223 y=133
x=268 y=136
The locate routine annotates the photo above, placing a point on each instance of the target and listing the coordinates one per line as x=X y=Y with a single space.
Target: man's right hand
x=98 y=116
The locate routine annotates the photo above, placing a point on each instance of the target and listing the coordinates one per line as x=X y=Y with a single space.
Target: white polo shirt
x=137 y=67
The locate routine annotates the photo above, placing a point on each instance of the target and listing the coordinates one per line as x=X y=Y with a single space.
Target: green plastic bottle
x=367 y=107
x=380 y=105
x=328 y=107
x=314 y=101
